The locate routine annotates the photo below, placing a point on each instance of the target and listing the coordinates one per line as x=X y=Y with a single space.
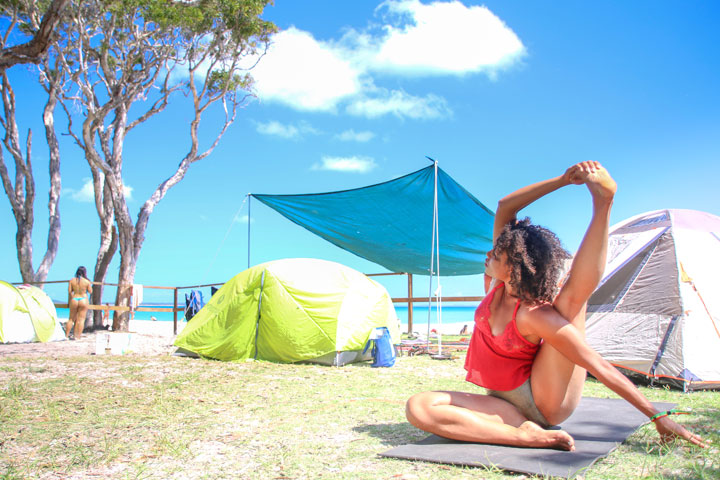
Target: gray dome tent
x=656 y=313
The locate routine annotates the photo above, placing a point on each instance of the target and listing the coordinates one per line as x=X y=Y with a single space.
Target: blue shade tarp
x=391 y=223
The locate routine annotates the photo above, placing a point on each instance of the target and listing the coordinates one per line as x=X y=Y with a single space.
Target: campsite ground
x=67 y=414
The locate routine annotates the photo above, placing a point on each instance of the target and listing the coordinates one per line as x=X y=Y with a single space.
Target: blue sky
x=354 y=93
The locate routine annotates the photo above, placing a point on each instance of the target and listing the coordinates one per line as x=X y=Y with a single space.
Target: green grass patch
x=164 y=417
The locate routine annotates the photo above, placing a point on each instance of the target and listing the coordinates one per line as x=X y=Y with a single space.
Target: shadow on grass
x=704 y=474
x=392 y=434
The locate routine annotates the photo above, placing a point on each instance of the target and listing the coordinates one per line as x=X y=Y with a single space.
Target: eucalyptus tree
x=128 y=59
x=37 y=21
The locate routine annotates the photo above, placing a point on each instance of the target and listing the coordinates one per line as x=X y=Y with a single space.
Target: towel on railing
x=137 y=296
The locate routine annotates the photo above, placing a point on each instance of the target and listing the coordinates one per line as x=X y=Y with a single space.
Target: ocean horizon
x=451 y=314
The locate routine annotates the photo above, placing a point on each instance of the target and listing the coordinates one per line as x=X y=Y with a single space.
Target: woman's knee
x=417 y=408
x=413 y=406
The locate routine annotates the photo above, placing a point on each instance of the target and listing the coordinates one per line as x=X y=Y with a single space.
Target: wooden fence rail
x=410 y=300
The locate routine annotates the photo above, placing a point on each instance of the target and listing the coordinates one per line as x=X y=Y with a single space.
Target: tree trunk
x=119 y=63
x=121 y=320
x=23 y=243
x=108 y=247
x=108 y=242
x=55 y=186
x=22 y=194
x=129 y=247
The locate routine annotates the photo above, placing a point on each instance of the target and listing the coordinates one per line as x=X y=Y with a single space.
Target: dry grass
x=170 y=417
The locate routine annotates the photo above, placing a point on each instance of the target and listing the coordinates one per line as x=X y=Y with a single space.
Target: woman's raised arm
x=511 y=204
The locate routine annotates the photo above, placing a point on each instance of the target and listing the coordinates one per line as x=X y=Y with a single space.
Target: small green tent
x=27 y=314
x=291 y=310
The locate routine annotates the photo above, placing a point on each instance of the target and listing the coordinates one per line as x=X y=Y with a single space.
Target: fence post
x=175 y=311
x=410 y=304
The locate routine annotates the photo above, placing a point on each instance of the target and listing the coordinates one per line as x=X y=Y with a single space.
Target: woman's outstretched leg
x=557 y=382
x=480 y=418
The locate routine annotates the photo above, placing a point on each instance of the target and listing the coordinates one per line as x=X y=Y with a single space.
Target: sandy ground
x=146 y=338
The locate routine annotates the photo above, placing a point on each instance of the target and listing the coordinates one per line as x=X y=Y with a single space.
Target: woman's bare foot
x=535 y=436
x=601 y=184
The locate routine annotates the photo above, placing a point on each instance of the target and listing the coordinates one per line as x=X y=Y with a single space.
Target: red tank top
x=500 y=362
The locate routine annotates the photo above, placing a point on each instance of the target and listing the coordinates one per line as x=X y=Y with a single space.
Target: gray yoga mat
x=598 y=426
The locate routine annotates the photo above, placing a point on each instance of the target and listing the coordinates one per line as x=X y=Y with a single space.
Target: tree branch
x=33 y=50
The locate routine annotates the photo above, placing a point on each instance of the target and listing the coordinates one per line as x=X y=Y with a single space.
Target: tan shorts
x=522 y=399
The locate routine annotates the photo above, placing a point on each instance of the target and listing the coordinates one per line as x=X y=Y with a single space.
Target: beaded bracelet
x=669 y=412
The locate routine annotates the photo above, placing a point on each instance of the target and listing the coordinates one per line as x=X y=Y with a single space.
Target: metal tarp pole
x=410 y=303
x=432 y=256
x=438 y=292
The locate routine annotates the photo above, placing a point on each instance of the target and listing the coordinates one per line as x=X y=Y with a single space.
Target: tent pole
x=410 y=304
x=175 y=308
x=259 y=313
x=249 y=195
x=438 y=292
x=435 y=269
x=432 y=256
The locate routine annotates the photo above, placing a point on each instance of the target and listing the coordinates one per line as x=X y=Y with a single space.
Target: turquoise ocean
x=451 y=314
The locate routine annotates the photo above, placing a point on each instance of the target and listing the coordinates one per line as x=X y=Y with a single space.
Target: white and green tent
x=27 y=314
x=291 y=310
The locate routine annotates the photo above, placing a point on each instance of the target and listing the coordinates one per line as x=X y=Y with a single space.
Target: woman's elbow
x=503 y=205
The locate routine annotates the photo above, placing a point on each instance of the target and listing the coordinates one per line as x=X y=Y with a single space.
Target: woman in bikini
x=78 y=290
x=528 y=347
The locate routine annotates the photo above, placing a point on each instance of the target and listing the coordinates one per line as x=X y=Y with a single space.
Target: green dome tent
x=27 y=314
x=291 y=310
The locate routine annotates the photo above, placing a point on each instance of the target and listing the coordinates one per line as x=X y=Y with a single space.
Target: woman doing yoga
x=78 y=290
x=528 y=346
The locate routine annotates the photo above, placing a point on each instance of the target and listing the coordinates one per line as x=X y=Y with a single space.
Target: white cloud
x=446 y=38
x=353 y=136
x=355 y=164
x=289 y=131
x=278 y=129
x=415 y=39
x=400 y=104
x=86 y=193
x=243 y=219
x=304 y=73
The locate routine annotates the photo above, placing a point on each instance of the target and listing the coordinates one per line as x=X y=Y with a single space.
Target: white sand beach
x=146 y=337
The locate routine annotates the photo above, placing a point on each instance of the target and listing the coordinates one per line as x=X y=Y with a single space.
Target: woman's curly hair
x=536 y=258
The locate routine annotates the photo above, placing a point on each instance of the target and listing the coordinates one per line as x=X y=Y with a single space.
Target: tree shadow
x=392 y=434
